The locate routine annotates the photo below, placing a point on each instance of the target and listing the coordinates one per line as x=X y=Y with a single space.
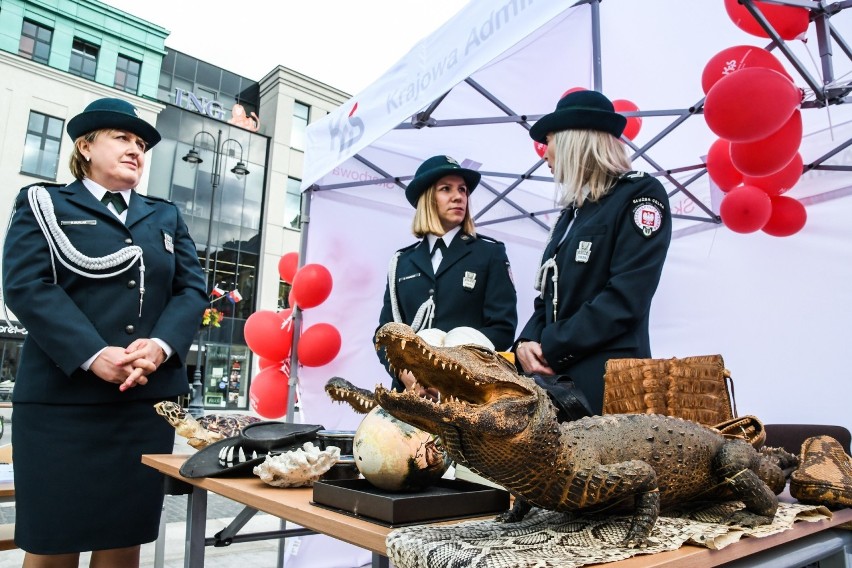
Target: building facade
x=230 y=157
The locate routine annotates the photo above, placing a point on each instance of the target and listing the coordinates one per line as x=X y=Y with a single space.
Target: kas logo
x=188 y=101
x=346 y=133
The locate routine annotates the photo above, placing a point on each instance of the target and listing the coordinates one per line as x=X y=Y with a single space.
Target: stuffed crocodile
x=503 y=426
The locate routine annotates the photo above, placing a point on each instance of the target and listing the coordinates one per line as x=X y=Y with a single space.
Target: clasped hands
x=532 y=359
x=130 y=366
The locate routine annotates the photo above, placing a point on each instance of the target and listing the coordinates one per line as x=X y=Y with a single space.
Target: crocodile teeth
x=402 y=342
x=444 y=366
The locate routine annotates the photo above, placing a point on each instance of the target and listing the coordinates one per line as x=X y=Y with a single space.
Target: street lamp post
x=196 y=404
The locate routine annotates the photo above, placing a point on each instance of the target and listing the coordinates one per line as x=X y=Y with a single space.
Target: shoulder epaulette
x=155 y=198
x=488 y=239
x=409 y=247
x=44 y=184
x=633 y=175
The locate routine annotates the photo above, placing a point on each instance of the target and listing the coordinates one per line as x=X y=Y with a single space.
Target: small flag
x=234 y=296
x=217 y=292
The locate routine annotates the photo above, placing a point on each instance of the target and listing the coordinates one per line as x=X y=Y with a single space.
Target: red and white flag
x=234 y=296
x=217 y=292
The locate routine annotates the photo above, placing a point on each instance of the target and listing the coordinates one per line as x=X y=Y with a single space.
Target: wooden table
x=289 y=504
x=806 y=542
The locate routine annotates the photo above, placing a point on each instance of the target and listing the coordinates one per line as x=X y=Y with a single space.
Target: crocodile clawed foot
x=507 y=517
x=517 y=513
x=634 y=540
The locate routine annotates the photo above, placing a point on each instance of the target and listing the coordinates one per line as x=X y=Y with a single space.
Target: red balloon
x=319 y=345
x=540 y=149
x=311 y=285
x=719 y=166
x=789 y=21
x=780 y=181
x=735 y=58
x=291 y=299
x=767 y=156
x=634 y=123
x=750 y=104
x=287 y=266
x=267 y=336
x=787 y=218
x=745 y=209
x=572 y=90
x=265 y=363
x=269 y=391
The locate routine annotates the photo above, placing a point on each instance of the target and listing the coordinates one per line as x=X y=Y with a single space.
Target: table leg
x=160 y=545
x=196 y=526
x=380 y=561
x=282 y=546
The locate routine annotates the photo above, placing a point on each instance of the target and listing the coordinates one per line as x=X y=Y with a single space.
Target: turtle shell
x=227 y=425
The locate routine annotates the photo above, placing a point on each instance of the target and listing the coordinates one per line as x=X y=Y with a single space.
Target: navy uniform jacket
x=489 y=305
x=609 y=269
x=70 y=321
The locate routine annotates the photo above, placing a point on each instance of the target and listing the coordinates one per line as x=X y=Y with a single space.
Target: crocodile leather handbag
x=695 y=388
x=824 y=475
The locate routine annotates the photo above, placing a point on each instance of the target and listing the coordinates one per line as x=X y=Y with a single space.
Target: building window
x=300 y=124
x=127 y=74
x=84 y=59
x=293 y=203
x=35 y=42
x=41 y=149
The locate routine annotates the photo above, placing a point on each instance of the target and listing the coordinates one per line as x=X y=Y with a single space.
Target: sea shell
x=297 y=468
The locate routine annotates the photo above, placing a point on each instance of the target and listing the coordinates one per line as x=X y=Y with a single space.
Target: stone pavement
x=220 y=511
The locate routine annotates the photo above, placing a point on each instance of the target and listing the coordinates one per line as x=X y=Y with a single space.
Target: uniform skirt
x=80 y=484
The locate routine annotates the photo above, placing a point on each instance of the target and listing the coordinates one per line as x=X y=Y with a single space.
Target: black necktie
x=116 y=199
x=439 y=244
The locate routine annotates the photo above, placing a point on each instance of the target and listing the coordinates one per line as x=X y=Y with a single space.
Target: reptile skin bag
x=824 y=475
x=695 y=388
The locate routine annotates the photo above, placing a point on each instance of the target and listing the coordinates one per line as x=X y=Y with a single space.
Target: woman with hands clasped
x=603 y=260
x=108 y=284
x=452 y=277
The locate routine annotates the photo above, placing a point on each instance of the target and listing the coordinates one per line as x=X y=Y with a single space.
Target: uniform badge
x=647 y=215
x=409 y=277
x=584 y=251
x=469 y=280
x=168 y=242
x=509 y=270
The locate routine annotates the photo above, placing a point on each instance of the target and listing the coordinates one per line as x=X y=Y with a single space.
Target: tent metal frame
x=830 y=92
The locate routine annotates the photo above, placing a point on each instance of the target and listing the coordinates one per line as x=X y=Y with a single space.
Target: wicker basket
x=696 y=388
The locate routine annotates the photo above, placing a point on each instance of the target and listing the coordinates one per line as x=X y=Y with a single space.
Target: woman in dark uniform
x=452 y=277
x=603 y=260
x=108 y=284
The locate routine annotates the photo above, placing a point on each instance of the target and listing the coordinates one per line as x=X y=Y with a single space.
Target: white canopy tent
x=777 y=309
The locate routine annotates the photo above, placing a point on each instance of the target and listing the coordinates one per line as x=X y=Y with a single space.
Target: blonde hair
x=587 y=164
x=77 y=163
x=426 y=220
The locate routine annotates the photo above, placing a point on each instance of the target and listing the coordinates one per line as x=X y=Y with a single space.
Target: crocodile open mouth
x=469 y=374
